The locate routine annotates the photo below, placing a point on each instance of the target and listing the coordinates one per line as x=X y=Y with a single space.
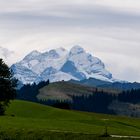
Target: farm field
x=27 y=120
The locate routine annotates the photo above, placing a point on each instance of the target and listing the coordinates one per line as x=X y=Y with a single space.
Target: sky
x=109 y=29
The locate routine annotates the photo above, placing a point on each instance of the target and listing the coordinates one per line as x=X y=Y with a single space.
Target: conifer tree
x=7 y=86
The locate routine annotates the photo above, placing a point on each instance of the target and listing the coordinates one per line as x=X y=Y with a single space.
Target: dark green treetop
x=7 y=86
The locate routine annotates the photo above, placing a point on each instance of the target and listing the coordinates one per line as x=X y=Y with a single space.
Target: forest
x=98 y=101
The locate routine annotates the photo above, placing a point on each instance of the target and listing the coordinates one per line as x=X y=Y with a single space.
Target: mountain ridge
x=60 y=64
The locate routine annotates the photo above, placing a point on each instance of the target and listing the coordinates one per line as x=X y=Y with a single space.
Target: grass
x=26 y=120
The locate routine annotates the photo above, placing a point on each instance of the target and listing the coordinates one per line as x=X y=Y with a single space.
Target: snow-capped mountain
x=60 y=64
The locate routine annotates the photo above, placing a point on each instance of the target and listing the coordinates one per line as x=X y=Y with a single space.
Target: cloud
x=108 y=29
x=24 y=5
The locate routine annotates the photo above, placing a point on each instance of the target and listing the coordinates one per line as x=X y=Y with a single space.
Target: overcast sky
x=109 y=29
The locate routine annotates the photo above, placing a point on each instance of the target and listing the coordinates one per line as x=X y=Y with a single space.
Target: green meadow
x=27 y=120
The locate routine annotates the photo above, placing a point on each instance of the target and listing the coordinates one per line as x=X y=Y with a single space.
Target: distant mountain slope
x=65 y=91
x=92 y=82
x=122 y=86
x=60 y=64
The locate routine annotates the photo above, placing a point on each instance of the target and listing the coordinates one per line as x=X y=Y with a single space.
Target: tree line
x=98 y=101
x=7 y=86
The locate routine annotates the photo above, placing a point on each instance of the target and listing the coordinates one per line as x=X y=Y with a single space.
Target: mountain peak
x=58 y=52
x=53 y=54
x=60 y=64
x=32 y=55
x=34 y=52
x=76 y=50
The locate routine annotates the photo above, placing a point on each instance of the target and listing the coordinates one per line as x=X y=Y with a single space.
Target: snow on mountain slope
x=38 y=62
x=88 y=64
x=24 y=74
x=59 y=76
x=60 y=64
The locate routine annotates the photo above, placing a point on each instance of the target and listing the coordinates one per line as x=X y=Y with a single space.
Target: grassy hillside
x=30 y=120
x=64 y=91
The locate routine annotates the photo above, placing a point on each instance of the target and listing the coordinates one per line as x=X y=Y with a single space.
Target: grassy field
x=26 y=120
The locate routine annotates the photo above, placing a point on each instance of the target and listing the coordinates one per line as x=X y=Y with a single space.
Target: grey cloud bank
x=107 y=28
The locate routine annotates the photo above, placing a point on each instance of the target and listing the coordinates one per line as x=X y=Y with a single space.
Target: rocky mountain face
x=60 y=64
